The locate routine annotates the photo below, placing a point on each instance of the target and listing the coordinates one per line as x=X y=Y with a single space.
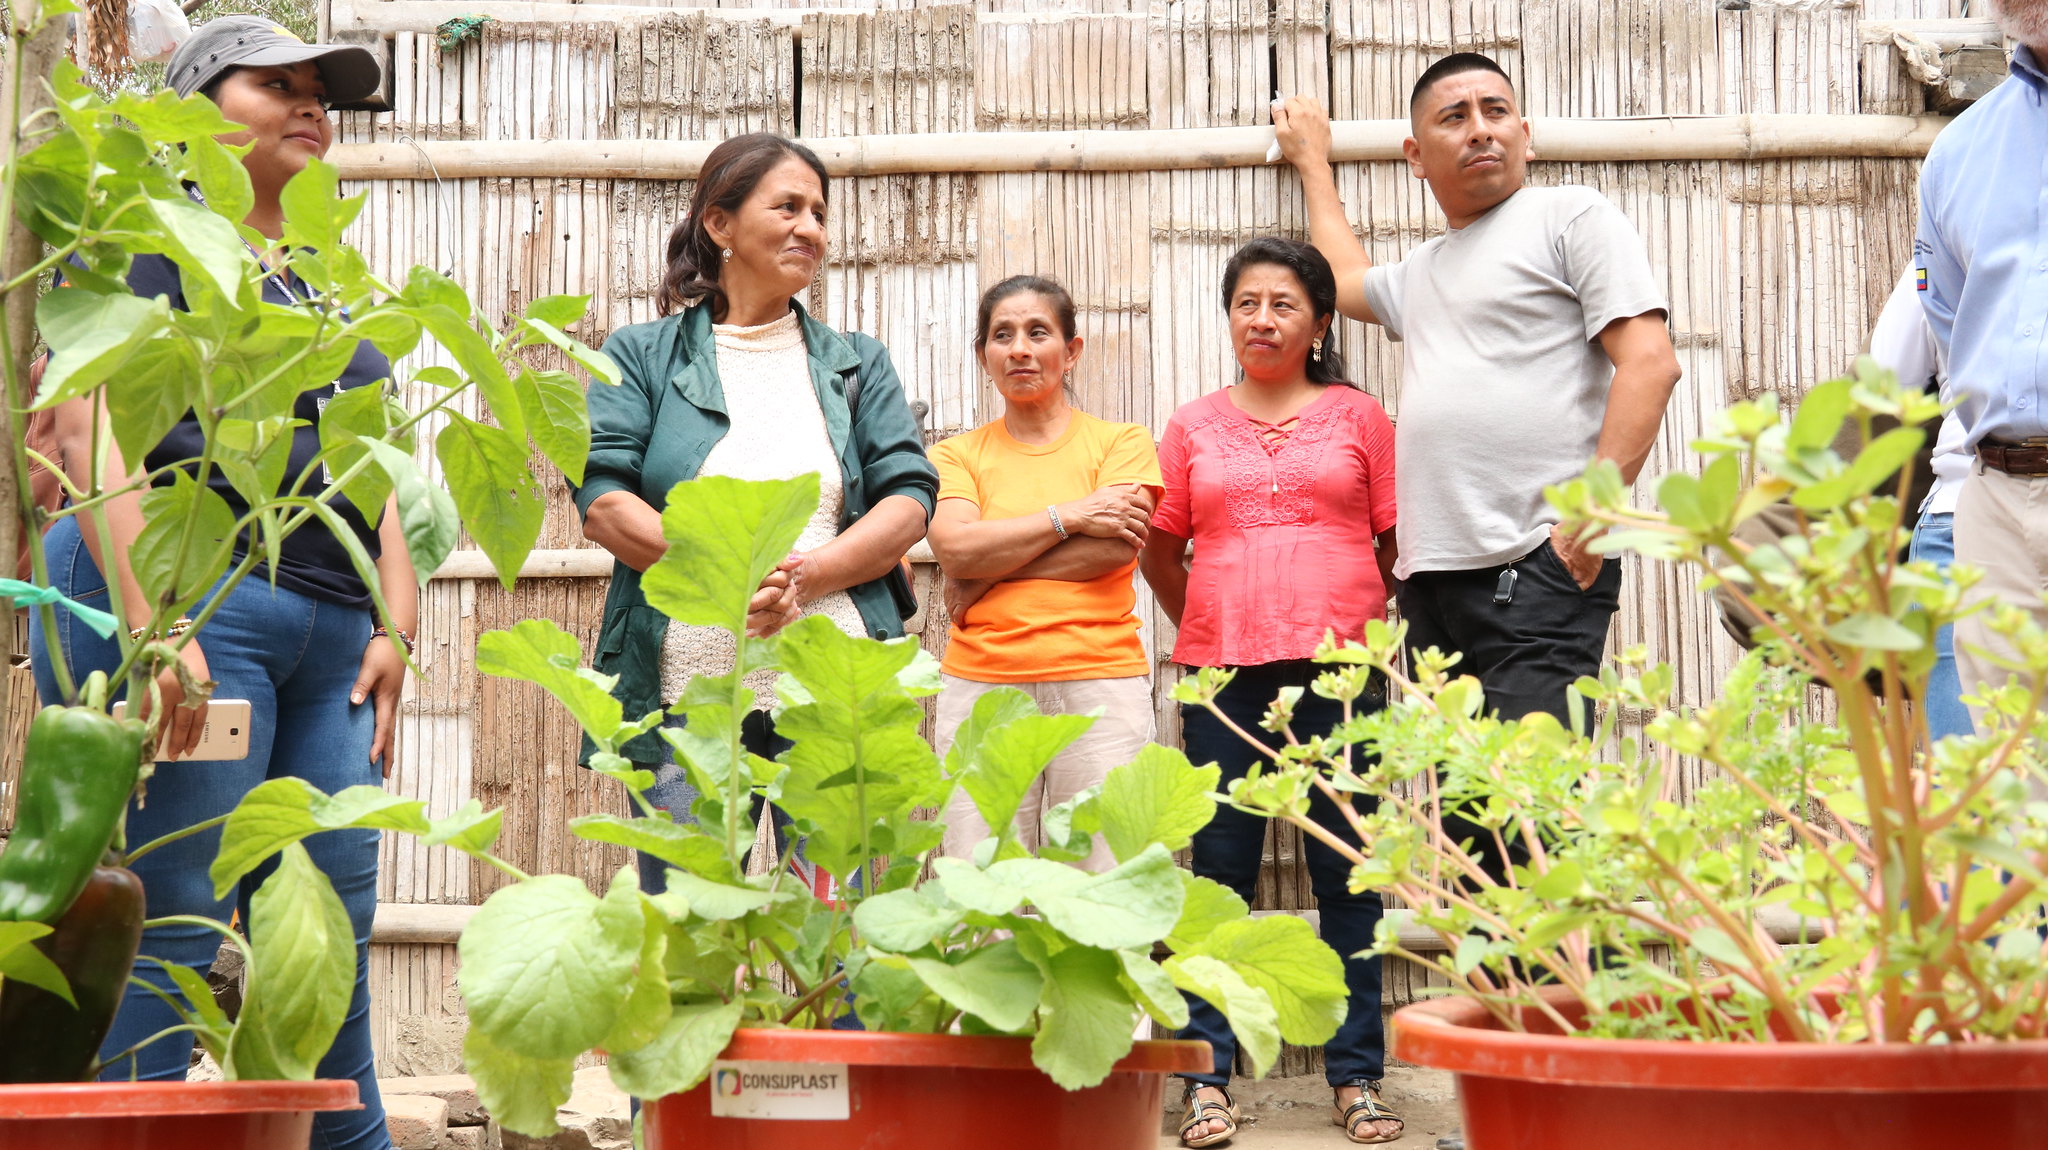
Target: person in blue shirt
x=1982 y=253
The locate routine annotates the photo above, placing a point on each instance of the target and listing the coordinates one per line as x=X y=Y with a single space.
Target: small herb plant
x=1009 y=943
x=1915 y=870
x=96 y=183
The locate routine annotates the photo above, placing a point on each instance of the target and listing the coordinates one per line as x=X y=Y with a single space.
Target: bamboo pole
x=574 y=563
x=425 y=16
x=1610 y=140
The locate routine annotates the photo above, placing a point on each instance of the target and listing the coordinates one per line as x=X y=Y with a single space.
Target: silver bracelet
x=1052 y=512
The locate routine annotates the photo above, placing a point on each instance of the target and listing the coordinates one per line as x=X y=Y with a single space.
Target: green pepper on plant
x=77 y=771
x=93 y=946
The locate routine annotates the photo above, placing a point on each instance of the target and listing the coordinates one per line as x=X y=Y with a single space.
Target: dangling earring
x=728 y=253
x=1067 y=380
x=1317 y=349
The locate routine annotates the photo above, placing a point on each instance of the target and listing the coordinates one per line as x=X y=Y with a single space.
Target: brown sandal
x=1368 y=1107
x=1202 y=1110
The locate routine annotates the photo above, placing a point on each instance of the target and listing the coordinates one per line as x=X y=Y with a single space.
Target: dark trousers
x=1526 y=652
x=1228 y=850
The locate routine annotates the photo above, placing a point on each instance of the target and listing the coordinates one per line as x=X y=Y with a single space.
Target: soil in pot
x=1546 y=1091
x=911 y=1091
x=167 y=1115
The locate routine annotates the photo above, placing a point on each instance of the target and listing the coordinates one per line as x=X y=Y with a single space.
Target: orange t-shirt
x=1047 y=630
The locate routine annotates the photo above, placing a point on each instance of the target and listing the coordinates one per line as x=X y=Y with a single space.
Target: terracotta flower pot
x=1546 y=1091
x=167 y=1115
x=910 y=1091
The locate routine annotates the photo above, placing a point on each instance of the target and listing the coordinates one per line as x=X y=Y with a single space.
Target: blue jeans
x=295 y=659
x=1934 y=540
x=1228 y=850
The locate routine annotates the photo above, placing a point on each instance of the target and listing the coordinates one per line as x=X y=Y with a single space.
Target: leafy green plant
x=1010 y=942
x=96 y=182
x=1911 y=873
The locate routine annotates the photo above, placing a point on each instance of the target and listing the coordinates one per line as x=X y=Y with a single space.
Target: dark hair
x=1062 y=304
x=1049 y=289
x=1308 y=266
x=1454 y=64
x=731 y=173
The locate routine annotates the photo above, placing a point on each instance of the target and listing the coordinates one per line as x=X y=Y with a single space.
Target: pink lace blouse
x=1283 y=521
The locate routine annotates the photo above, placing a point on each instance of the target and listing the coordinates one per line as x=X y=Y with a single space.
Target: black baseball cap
x=349 y=72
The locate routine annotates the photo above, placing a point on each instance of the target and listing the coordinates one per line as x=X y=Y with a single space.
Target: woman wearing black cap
x=322 y=679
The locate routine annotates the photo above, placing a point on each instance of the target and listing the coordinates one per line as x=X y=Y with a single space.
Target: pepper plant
x=1008 y=943
x=1910 y=873
x=95 y=183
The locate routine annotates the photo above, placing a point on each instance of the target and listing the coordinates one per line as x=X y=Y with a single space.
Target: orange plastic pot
x=1547 y=1091
x=937 y=1091
x=167 y=1115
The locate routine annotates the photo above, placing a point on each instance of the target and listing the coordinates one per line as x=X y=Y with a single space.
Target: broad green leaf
x=187 y=518
x=646 y=1011
x=440 y=306
x=1209 y=904
x=1159 y=797
x=284 y=810
x=687 y=848
x=1883 y=458
x=205 y=247
x=521 y=1091
x=254 y=455
x=91 y=337
x=471 y=829
x=1010 y=758
x=393 y=332
x=200 y=1009
x=1720 y=949
x=315 y=214
x=966 y=885
x=600 y=366
x=426 y=513
x=892 y=998
x=501 y=502
x=1153 y=989
x=1246 y=1007
x=994 y=983
x=547 y=966
x=1302 y=977
x=172 y=118
x=558 y=311
x=351 y=421
x=720 y=901
x=1561 y=881
x=1134 y=905
x=302 y=977
x=221 y=176
x=859 y=763
x=993 y=709
x=903 y=920
x=152 y=391
x=1873 y=632
x=22 y=961
x=557 y=418
x=681 y=1056
x=539 y=651
x=1820 y=415
x=1086 y=1018
x=724 y=536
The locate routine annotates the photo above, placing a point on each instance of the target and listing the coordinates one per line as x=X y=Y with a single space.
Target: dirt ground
x=1294 y=1113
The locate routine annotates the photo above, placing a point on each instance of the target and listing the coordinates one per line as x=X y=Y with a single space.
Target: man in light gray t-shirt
x=1534 y=339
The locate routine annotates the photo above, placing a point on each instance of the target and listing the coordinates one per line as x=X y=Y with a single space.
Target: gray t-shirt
x=1504 y=382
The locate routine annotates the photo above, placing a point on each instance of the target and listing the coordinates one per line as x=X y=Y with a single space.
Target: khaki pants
x=2002 y=530
x=1126 y=724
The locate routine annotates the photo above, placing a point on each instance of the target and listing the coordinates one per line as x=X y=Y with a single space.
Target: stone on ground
x=416 y=1121
x=457 y=1090
x=596 y=1117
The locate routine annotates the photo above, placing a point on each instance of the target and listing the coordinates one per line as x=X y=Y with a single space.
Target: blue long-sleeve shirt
x=1983 y=255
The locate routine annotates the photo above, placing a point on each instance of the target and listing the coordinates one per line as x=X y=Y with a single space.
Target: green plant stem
x=174 y=836
x=166 y=1032
x=787 y=967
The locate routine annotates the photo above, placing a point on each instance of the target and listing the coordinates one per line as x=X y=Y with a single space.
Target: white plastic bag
x=155 y=29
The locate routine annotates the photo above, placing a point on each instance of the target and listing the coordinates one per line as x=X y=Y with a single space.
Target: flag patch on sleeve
x=1920 y=279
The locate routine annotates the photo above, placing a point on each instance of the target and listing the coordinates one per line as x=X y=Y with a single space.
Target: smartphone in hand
x=226 y=735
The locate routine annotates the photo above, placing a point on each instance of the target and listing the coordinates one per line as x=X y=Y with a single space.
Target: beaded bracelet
x=381 y=632
x=1052 y=512
x=177 y=627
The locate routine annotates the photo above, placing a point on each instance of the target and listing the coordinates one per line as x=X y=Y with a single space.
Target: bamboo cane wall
x=1774 y=269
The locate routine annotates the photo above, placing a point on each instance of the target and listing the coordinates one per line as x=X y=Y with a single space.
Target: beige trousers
x=2002 y=530
x=1124 y=725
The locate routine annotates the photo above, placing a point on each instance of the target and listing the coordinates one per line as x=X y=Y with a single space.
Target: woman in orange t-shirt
x=1040 y=518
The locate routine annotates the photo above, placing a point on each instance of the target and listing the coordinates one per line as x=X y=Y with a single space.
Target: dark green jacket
x=654 y=430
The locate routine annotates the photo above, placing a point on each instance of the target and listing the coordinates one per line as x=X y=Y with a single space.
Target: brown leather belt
x=2027 y=459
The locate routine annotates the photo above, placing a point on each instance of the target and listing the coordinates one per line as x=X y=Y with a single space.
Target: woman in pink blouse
x=1285 y=483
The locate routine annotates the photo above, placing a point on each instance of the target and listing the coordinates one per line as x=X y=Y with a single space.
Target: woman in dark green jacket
x=737 y=380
